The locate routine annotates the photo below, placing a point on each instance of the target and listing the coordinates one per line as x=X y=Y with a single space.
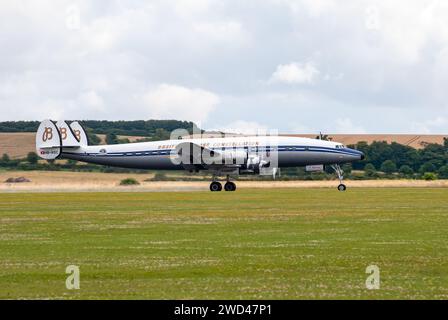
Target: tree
x=160 y=134
x=71 y=163
x=5 y=158
x=347 y=168
x=93 y=138
x=427 y=167
x=32 y=157
x=370 y=170
x=388 y=167
x=406 y=171
x=435 y=154
x=111 y=138
x=129 y=182
x=429 y=176
x=379 y=151
x=443 y=172
x=412 y=159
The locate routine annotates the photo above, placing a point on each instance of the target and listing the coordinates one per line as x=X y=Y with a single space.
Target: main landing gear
x=216 y=186
x=340 y=173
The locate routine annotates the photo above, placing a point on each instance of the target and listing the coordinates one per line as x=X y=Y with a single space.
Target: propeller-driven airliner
x=221 y=157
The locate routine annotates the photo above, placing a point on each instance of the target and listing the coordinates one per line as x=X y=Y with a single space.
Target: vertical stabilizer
x=79 y=133
x=48 y=140
x=68 y=137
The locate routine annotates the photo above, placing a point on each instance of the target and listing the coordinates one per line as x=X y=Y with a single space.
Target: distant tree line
x=144 y=128
x=395 y=158
x=387 y=161
x=112 y=138
x=383 y=160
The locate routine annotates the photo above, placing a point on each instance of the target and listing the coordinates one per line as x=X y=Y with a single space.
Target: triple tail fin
x=51 y=137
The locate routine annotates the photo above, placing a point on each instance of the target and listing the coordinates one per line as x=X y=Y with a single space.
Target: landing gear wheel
x=230 y=186
x=340 y=173
x=215 y=186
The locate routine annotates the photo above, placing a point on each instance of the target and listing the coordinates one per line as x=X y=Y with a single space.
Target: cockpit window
x=340 y=146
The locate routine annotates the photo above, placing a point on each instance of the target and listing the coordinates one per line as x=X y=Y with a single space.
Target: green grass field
x=270 y=244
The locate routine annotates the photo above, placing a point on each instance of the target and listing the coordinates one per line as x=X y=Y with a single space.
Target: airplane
x=227 y=156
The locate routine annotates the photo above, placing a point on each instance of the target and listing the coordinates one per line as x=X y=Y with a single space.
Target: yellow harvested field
x=19 y=144
x=43 y=181
x=130 y=138
x=413 y=140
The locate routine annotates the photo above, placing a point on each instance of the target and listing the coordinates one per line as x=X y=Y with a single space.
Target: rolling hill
x=18 y=144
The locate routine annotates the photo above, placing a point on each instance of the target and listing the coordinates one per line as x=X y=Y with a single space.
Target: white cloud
x=176 y=102
x=230 y=32
x=314 y=8
x=299 y=128
x=345 y=125
x=192 y=8
x=359 y=59
x=431 y=125
x=295 y=73
x=243 y=127
x=92 y=100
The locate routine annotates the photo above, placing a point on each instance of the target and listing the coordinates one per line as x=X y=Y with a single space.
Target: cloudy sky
x=293 y=65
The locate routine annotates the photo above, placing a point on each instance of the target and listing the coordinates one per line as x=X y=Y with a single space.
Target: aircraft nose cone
x=363 y=156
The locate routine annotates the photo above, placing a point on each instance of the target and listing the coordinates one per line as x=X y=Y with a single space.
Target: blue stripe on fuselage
x=345 y=151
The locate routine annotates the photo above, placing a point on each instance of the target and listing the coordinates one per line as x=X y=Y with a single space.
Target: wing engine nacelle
x=233 y=157
x=254 y=165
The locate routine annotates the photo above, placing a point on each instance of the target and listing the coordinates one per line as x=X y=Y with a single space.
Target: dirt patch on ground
x=42 y=181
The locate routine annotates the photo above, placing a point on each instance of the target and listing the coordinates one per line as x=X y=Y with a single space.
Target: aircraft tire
x=342 y=187
x=230 y=186
x=215 y=186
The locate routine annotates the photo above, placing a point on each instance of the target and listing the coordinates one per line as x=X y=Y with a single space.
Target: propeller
x=324 y=137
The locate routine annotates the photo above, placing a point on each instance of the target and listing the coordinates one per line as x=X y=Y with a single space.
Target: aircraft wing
x=194 y=156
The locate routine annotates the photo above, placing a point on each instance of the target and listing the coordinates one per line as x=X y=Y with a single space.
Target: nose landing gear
x=337 y=168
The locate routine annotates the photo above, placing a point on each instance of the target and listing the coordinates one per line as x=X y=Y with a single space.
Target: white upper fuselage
x=251 y=141
x=292 y=151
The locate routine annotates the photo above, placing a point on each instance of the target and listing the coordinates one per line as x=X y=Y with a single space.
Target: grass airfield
x=251 y=244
